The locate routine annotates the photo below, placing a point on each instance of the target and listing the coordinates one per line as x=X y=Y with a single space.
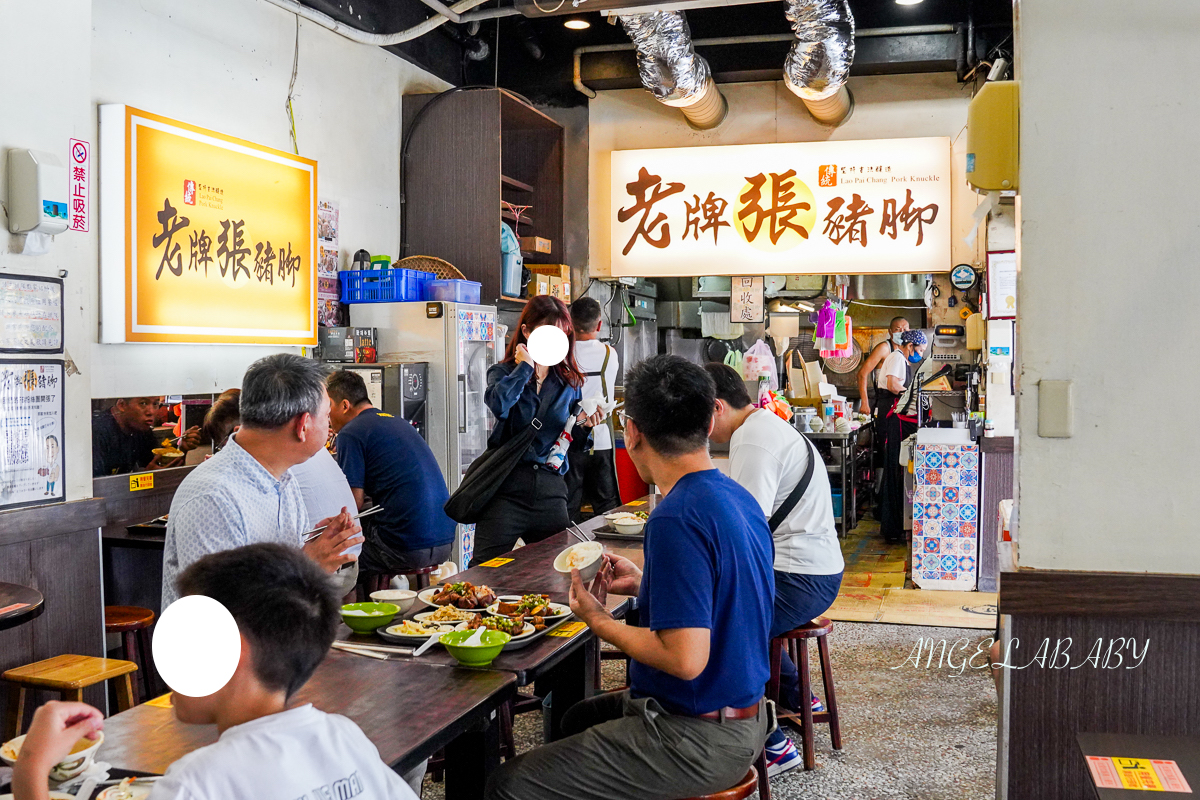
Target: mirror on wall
x=132 y=434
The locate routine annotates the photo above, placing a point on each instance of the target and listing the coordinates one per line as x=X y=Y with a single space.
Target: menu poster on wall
x=31 y=314
x=328 y=256
x=31 y=433
x=1002 y=284
x=746 y=300
x=843 y=207
x=204 y=238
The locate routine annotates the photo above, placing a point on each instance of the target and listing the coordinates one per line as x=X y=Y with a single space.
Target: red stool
x=133 y=623
x=797 y=644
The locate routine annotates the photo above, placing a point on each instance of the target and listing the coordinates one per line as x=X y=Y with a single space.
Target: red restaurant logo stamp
x=189 y=192
x=827 y=175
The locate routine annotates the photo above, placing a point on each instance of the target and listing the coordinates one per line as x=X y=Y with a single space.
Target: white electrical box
x=37 y=193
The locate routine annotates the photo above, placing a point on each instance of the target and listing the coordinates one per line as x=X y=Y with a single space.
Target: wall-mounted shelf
x=471 y=151
x=513 y=183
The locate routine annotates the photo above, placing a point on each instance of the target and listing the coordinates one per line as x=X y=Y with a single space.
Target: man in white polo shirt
x=782 y=470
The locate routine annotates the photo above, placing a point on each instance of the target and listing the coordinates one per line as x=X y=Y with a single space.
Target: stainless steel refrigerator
x=458 y=341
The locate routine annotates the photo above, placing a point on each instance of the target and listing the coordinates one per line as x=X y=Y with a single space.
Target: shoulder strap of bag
x=794 y=497
x=603 y=367
x=544 y=407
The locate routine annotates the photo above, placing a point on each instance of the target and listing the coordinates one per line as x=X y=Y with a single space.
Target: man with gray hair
x=245 y=494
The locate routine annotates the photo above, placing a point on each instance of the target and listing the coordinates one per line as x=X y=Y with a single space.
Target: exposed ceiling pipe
x=458 y=10
x=670 y=69
x=860 y=33
x=819 y=62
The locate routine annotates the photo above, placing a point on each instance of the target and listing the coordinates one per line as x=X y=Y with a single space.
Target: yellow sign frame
x=165 y=186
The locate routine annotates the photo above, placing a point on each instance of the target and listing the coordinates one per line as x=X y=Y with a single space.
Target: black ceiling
x=548 y=79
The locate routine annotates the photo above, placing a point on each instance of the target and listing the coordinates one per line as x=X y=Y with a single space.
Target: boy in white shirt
x=770 y=459
x=287 y=612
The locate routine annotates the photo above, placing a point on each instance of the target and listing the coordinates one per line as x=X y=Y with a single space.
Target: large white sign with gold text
x=844 y=208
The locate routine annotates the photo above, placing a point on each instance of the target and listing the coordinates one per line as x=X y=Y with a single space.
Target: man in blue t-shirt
x=384 y=458
x=692 y=721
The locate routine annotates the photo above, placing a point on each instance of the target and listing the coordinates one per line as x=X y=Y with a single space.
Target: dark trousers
x=531 y=504
x=799 y=599
x=891 y=494
x=591 y=479
x=621 y=748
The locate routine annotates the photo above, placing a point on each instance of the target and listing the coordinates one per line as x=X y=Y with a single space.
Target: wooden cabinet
x=469 y=151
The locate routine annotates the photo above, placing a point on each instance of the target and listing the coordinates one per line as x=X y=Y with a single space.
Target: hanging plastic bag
x=760 y=360
x=734 y=359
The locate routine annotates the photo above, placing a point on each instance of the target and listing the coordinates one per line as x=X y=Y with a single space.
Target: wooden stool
x=797 y=644
x=745 y=787
x=69 y=676
x=133 y=623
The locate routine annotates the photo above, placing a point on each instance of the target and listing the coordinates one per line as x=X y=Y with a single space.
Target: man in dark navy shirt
x=384 y=458
x=692 y=721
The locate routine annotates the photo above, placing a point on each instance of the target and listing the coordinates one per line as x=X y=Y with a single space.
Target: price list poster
x=31 y=432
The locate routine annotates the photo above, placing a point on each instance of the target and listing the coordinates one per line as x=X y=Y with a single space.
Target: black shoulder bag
x=486 y=473
x=794 y=497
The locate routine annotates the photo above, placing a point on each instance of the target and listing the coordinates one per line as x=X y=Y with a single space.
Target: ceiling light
x=577 y=24
x=908 y=2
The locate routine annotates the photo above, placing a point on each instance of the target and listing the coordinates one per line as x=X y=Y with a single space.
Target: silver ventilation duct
x=670 y=69
x=819 y=62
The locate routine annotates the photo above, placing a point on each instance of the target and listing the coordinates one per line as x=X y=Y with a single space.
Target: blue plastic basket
x=837 y=503
x=383 y=285
x=453 y=291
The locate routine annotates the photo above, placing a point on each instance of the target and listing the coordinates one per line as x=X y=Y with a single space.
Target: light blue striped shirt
x=229 y=501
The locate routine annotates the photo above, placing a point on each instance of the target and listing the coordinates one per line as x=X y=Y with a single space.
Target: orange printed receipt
x=568 y=629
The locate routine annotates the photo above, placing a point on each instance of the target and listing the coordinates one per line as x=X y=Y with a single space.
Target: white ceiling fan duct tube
x=671 y=70
x=819 y=62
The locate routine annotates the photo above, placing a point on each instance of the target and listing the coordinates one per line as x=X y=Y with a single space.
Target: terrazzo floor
x=908 y=732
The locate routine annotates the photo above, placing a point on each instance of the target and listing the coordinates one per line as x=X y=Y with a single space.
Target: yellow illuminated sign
x=143 y=480
x=834 y=207
x=205 y=238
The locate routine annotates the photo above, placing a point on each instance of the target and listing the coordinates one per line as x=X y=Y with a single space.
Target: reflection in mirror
x=132 y=434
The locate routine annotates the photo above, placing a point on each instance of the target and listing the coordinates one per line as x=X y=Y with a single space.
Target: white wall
x=1108 y=243
x=223 y=65
x=892 y=106
x=45 y=54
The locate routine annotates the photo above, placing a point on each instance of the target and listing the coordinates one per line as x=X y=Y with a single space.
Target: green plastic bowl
x=493 y=643
x=385 y=613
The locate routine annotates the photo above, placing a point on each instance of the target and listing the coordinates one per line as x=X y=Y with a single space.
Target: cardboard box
x=566 y=291
x=535 y=244
x=806 y=380
x=364 y=345
x=560 y=270
x=555 y=286
x=538 y=284
x=337 y=345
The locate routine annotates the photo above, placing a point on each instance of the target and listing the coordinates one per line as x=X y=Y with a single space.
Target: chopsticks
x=373 y=650
x=307 y=537
x=576 y=531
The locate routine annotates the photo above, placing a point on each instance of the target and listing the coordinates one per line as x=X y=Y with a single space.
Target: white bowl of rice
x=585 y=556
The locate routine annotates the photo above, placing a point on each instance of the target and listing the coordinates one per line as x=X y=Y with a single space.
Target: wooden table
x=409 y=710
x=19 y=604
x=1183 y=750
